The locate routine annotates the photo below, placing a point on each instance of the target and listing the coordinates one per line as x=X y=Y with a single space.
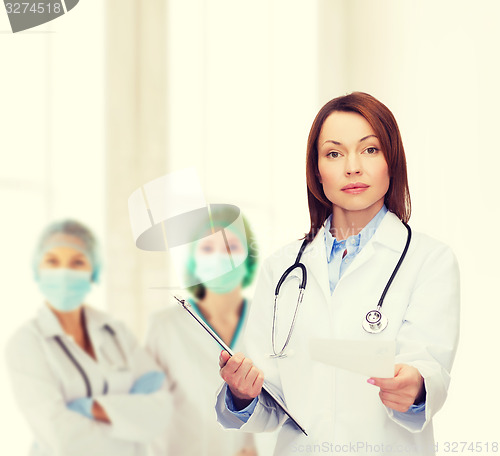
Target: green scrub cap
x=70 y=233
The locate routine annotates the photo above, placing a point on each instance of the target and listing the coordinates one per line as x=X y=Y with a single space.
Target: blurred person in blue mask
x=82 y=382
x=186 y=352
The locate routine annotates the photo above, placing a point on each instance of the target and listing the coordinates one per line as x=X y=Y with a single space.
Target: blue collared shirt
x=337 y=263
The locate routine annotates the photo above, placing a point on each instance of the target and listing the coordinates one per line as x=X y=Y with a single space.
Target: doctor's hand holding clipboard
x=244 y=379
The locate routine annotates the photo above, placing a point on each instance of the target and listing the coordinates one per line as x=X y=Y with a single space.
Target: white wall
x=52 y=154
x=243 y=91
x=434 y=65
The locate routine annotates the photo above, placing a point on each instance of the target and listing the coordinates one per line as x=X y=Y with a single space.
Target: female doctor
x=82 y=382
x=358 y=202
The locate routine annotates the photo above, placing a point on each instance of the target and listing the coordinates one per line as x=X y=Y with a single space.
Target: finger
x=244 y=369
x=396 y=406
x=234 y=362
x=243 y=381
x=223 y=358
x=227 y=372
x=234 y=374
x=252 y=375
x=398 y=368
x=255 y=380
x=259 y=382
x=408 y=377
x=395 y=397
x=386 y=384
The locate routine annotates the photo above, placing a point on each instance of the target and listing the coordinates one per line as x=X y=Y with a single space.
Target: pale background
x=117 y=93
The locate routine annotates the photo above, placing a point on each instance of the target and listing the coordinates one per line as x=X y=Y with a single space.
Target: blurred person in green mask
x=78 y=375
x=186 y=352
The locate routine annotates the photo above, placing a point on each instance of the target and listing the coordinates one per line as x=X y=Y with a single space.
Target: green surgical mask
x=216 y=273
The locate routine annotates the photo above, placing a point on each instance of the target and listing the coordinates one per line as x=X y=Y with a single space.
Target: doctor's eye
x=78 y=263
x=50 y=261
x=333 y=154
x=235 y=247
x=207 y=248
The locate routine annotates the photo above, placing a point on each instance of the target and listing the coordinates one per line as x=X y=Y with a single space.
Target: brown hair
x=397 y=198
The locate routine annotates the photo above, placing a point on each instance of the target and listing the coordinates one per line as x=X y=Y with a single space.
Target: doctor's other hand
x=401 y=392
x=148 y=383
x=83 y=406
x=89 y=408
x=243 y=378
x=99 y=413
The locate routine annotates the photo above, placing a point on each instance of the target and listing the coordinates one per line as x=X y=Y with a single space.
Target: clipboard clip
x=181 y=301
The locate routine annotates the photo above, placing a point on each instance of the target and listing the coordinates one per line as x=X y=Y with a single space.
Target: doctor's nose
x=353 y=167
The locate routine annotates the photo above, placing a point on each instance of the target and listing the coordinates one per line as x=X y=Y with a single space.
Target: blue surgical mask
x=215 y=271
x=65 y=289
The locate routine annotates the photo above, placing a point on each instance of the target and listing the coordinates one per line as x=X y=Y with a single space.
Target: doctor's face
x=351 y=165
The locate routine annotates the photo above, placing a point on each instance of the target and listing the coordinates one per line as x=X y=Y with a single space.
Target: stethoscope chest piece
x=375 y=322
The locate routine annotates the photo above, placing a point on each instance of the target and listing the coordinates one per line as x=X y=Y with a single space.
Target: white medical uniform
x=189 y=357
x=44 y=380
x=341 y=412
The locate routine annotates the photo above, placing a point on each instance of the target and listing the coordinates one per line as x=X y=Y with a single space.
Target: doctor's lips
x=357 y=187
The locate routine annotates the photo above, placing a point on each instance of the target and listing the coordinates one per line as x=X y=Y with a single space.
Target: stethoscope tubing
x=79 y=367
x=302 y=286
x=396 y=269
x=76 y=364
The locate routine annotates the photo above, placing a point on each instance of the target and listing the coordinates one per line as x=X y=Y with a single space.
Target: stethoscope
x=79 y=367
x=374 y=322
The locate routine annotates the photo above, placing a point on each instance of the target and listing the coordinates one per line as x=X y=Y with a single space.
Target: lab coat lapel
x=103 y=342
x=48 y=323
x=361 y=258
x=391 y=233
x=314 y=258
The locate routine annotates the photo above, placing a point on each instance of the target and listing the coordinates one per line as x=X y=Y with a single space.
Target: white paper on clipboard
x=373 y=358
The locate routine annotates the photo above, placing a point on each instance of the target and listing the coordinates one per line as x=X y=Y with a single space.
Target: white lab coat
x=189 y=357
x=44 y=379
x=340 y=411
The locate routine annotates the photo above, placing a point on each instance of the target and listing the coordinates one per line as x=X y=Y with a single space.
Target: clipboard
x=265 y=388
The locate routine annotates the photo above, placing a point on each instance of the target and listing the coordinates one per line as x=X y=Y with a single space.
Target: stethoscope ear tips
x=375 y=322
